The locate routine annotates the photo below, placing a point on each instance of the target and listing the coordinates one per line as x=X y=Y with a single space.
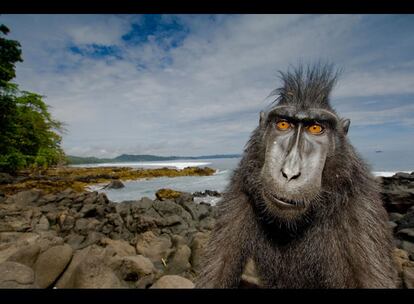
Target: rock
x=91 y=239
x=407 y=246
x=394 y=216
x=51 y=264
x=392 y=225
x=137 y=270
x=15 y=275
x=93 y=272
x=84 y=225
x=408 y=275
x=88 y=210
x=66 y=222
x=43 y=224
x=406 y=234
x=167 y=208
x=172 y=281
x=407 y=221
x=164 y=194
x=180 y=260
x=397 y=198
x=67 y=279
x=154 y=247
x=27 y=255
x=26 y=197
x=207 y=223
x=74 y=240
x=207 y=193
x=400 y=257
x=118 y=247
x=12 y=242
x=199 y=242
x=115 y=184
x=5 y=178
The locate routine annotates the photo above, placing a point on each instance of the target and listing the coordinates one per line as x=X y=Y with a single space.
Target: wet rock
x=51 y=264
x=165 y=194
x=172 y=281
x=15 y=275
x=115 y=184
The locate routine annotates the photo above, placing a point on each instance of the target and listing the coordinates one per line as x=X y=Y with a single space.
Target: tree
x=29 y=136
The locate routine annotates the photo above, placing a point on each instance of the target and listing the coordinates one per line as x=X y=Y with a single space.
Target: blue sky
x=195 y=84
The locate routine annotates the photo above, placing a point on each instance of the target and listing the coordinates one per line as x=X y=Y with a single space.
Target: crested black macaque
x=301 y=204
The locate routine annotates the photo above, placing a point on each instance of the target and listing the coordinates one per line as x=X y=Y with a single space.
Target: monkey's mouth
x=284 y=203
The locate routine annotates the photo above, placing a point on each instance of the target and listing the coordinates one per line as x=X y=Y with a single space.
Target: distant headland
x=77 y=160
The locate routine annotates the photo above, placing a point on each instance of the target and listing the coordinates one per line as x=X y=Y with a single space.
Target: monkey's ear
x=345 y=122
x=262 y=119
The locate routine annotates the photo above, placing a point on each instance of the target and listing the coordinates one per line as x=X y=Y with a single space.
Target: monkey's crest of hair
x=307 y=86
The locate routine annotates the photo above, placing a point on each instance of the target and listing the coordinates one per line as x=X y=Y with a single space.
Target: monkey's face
x=297 y=144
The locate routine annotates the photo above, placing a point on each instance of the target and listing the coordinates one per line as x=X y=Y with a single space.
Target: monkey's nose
x=289 y=175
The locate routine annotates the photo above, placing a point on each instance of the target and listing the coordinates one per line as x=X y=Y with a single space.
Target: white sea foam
x=178 y=165
x=387 y=173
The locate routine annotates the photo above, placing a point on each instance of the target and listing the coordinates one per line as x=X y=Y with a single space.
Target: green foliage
x=29 y=136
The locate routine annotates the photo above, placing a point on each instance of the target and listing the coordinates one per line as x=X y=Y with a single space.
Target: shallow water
x=134 y=190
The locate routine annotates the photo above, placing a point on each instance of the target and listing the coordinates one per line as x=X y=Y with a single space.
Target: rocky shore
x=71 y=239
x=57 y=179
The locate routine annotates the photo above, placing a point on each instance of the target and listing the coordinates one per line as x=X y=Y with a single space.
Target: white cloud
x=226 y=66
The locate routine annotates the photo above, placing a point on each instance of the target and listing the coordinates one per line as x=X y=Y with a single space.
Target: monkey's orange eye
x=283 y=125
x=315 y=129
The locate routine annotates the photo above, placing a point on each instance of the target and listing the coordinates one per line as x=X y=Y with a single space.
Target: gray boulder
x=93 y=272
x=172 y=281
x=117 y=247
x=51 y=264
x=199 y=242
x=115 y=184
x=15 y=275
x=136 y=271
x=156 y=248
x=179 y=261
x=27 y=255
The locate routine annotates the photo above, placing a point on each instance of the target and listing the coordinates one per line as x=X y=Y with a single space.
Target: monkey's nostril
x=290 y=177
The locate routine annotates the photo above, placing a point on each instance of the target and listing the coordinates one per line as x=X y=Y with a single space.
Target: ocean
x=137 y=189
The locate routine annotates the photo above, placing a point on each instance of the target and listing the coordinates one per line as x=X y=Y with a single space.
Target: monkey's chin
x=282 y=207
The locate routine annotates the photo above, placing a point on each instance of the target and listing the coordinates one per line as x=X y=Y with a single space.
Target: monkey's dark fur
x=341 y=241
